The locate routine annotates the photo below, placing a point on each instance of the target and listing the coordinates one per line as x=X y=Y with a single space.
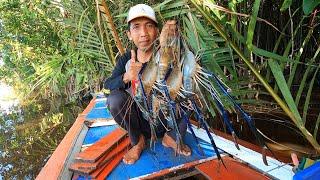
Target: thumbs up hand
x=134 y=69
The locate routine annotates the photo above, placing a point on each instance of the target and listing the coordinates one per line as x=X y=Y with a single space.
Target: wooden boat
x=96 y=123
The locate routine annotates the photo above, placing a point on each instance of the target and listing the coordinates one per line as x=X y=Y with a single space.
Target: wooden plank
x=87 y=168
x=102 y=172
x=234 y=170
x=101 y=147
x=56 y=163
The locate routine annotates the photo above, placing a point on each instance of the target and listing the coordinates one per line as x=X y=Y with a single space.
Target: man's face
x=143 y=32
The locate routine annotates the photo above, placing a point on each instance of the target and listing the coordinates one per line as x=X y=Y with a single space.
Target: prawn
x=172 y=82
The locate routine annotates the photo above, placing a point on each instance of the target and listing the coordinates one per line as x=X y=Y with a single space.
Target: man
x=143 y=31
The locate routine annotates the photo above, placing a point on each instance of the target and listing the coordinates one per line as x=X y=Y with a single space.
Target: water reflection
x=30 y=133
x=7 y=98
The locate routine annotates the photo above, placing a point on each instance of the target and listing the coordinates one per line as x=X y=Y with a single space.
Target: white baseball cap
x=141 y=10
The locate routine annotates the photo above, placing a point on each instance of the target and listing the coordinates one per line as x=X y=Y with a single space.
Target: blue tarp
x=96 y=133
x=159 y=158
x=97 y=113
x=151 y=160
x=310 y=173
x=100 y=103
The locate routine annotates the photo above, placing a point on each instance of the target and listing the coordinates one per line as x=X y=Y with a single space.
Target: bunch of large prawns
x=171 y=83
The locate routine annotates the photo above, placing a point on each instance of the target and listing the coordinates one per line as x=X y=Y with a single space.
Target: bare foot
x=134 y=153
x=167 y=141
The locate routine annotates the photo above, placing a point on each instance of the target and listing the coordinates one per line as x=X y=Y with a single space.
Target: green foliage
x=52 y=50
x=65 y=50
x=252 y=49
x=279 y=77
x=252 y=23
x=286 y=4
x=47 y=60
x=309 y=5
x=24 y=38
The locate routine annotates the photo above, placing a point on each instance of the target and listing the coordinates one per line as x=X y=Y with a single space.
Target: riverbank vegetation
x=267 y=52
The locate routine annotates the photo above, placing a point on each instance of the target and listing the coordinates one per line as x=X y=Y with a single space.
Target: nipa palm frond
x=88 y=37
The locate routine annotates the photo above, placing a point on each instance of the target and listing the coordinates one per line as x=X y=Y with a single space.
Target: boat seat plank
x=87 y=168
x=104 y=171
x=104 y=145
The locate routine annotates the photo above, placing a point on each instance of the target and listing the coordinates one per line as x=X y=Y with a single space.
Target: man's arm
x=116 y=81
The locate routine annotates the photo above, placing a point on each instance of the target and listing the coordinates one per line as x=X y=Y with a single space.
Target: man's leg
x=126 y=113
x=169 y=139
